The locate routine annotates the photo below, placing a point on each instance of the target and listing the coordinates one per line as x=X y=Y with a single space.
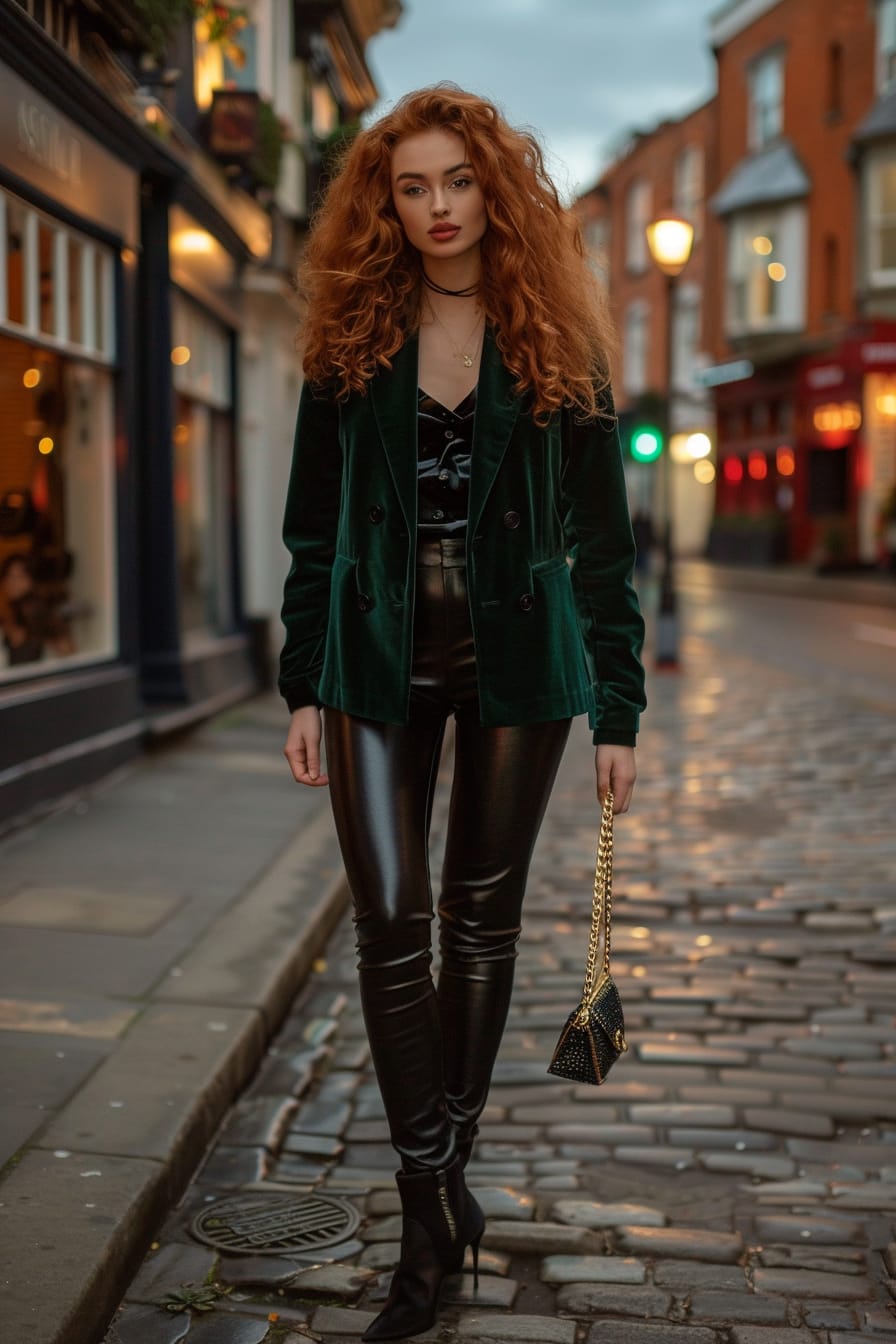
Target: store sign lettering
x=46 y=141
x=879 y=352
x=828 y=376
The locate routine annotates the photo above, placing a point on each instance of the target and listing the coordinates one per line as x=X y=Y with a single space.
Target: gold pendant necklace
x=458 y=351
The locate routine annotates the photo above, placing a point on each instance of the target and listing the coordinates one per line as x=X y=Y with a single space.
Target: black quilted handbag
x=594 y=1035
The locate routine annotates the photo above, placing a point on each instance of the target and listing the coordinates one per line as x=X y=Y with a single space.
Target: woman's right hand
x=302 y=748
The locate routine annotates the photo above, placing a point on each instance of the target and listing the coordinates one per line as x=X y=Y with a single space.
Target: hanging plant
x=266 y=164
x=161 y=20
x=222 y=23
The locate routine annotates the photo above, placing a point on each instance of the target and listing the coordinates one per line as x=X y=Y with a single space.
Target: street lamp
x=670 y=240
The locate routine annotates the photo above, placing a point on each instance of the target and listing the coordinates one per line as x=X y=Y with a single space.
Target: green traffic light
x=646 y=443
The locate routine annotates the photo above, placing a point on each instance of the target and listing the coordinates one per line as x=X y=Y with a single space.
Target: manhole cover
x=253 y=1224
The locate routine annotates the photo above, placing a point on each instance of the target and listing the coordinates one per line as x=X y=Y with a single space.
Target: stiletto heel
x=474 y=1247
x=440 y=1218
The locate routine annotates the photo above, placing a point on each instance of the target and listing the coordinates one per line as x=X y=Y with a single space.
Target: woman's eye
x=462 y=182
x=414 y=191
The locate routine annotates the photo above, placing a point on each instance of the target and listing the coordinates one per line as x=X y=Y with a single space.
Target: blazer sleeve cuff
x=610 y=737
x=299 y=694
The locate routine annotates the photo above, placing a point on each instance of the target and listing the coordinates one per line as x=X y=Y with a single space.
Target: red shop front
x=846 y=449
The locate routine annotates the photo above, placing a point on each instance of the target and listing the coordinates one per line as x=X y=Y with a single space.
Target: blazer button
x=376 y=513
x=526 y=602
x=365 y=602
x=511 y=519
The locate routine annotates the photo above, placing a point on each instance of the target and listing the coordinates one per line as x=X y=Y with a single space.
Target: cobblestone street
x=735 y=1180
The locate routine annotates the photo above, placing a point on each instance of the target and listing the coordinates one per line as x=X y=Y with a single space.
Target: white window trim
x=793 y=219
x=878 y=277
x=766 y=60
x=883 y=84
x=639 y=310
x=60 y=338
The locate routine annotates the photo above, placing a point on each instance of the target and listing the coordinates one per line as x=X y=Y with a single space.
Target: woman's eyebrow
x=421 y=176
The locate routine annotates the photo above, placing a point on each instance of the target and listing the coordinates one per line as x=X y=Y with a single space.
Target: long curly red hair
x=361 y=277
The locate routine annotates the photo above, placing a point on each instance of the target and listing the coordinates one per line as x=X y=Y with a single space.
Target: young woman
x=461 y=545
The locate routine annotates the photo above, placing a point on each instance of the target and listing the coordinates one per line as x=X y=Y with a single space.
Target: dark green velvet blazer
x=552 y=639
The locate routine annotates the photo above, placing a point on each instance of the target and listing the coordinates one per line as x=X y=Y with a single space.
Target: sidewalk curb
x=784 y=581
x=139 y=1125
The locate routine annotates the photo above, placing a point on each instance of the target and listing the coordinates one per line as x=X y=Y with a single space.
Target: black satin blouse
x=444 y=442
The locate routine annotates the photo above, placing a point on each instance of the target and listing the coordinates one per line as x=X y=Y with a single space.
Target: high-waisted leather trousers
x=433 y=1048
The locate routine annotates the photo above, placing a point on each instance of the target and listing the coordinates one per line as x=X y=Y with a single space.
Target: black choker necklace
x=454 y=293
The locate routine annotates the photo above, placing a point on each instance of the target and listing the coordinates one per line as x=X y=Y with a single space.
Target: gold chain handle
x=602 y=899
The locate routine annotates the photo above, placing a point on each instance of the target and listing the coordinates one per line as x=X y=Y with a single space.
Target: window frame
x=635 y=352
x=765 y=116
x=885 y=45
x=789 y=223
x=638 y=206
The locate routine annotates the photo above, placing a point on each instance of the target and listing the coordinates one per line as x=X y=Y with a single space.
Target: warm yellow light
x=762 y=245
x=670 y=240
x=181 y=434
x=677 y=450
x=31 y=377
x=833 y=417
x=704 y=940
x=192 y=243
x=886 y=403
x=776 y=271
x=640 y=932
x=180 y=354
x=639 y=972
x=128 y=256
x=698 y=445
x=45 y=446
x=704 y=471
x=151 y=114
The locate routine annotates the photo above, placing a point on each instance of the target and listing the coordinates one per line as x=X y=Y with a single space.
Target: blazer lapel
x=393 y=394
x=497 y=408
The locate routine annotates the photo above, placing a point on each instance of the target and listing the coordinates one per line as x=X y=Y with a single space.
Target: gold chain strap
x=601 y=900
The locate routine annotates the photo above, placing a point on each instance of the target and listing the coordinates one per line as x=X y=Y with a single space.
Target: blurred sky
x=581 y=72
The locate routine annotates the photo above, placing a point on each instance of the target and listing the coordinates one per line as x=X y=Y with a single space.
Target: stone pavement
x=734 y=1182
x=153 y=933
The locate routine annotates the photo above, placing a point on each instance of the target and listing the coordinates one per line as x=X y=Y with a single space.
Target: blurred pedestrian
x=455 y=445
x=642 y=527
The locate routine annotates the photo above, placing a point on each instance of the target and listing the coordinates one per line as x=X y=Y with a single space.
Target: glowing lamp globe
x=670 y=240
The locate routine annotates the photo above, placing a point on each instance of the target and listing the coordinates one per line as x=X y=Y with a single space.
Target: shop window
x=56 y=500
x=46 y=279
x=59 y=285
x=76 y=255
x=766 y=93
x=14 y=245
x=766 y=270
x=203 y=470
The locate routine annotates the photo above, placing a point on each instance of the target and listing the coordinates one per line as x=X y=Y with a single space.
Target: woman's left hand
x=615 y=768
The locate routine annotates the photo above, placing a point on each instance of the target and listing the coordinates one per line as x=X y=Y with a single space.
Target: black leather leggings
x=433 y=1049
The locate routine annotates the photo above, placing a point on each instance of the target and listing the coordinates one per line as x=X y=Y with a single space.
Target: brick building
x=789 y=174
x=806 y=169
x=665 y=169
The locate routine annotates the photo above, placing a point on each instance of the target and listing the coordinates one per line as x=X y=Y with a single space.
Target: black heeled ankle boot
x=440 y=1218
